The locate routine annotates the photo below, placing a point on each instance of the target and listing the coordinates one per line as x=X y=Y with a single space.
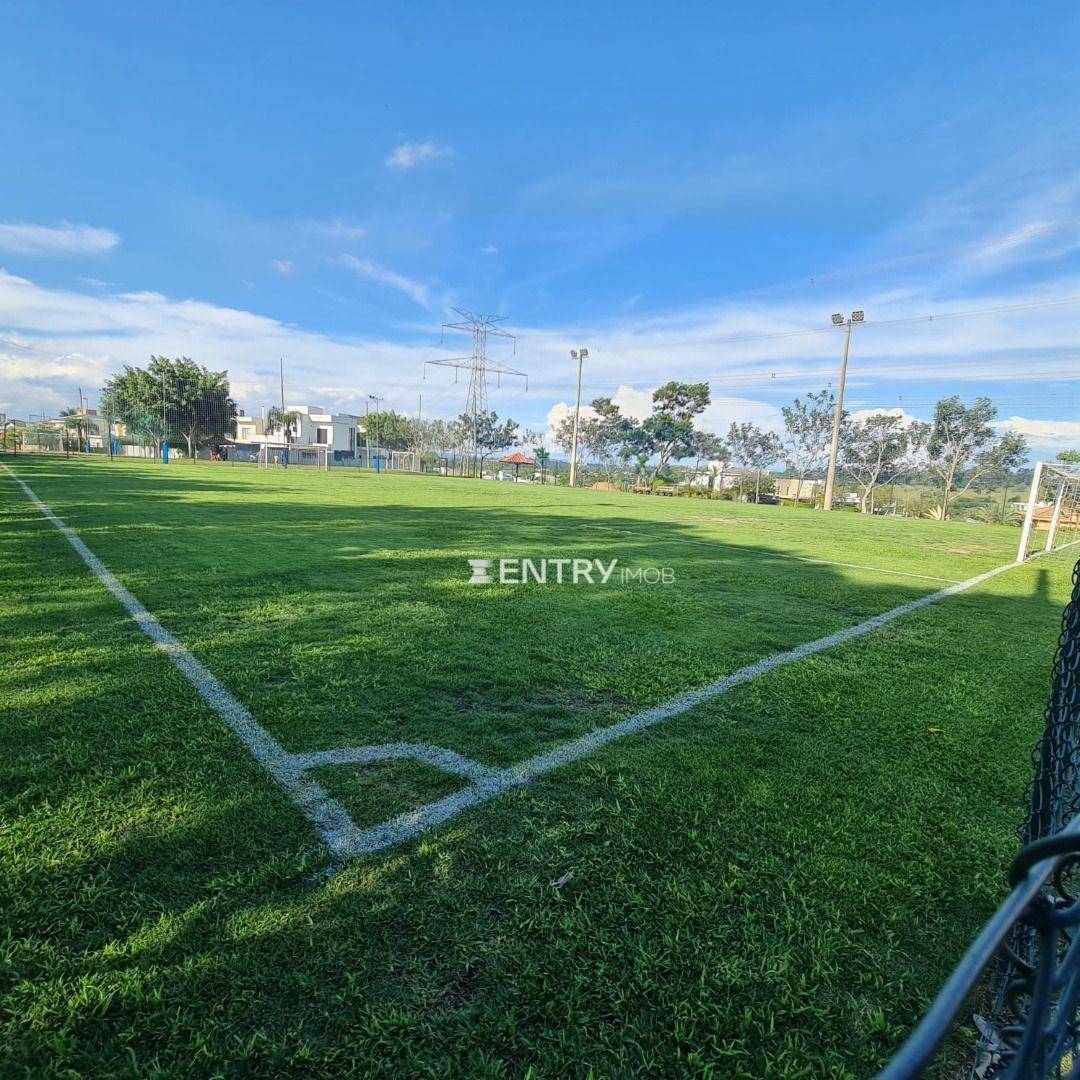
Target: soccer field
x=519 y=835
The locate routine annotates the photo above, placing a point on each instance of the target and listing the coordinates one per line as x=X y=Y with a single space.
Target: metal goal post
x=1052 y=509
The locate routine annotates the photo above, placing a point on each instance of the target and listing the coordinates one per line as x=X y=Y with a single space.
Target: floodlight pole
x=376 y=398
x=834 y=449
x=579 y=355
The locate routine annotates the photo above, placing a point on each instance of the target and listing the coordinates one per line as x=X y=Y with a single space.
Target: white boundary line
x=344 y=839
x=328 y=816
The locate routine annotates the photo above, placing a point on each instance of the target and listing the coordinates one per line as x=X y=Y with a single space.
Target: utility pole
x=579 y=355
x=834 y=449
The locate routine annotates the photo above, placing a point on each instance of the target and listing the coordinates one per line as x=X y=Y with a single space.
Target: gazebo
x=517 y=459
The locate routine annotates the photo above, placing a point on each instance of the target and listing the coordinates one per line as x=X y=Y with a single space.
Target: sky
x=678 y=188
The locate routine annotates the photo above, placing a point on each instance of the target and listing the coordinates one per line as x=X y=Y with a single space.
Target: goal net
x=304 y=457
x=1052 y=511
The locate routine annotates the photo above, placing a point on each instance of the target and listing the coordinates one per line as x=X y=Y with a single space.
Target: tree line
x=959 y=447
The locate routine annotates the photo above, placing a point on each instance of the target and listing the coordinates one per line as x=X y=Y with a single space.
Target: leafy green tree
x=604 y=435
x=963 y=446
x=668 y=434
x=491 y=436
x=534 y=440
x=193 y=402
x=1069 y=457
x=390 y=430
x=135 y=398
x=707 y=449
x=283 y=421
x=807 y=433
x=73 y=421
x=754 y=448
x=878 y=449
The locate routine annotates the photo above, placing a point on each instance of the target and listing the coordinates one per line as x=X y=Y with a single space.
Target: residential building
x=313 y=428
x=790 y=489
x=95 y=427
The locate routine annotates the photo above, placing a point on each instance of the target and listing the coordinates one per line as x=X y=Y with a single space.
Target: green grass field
x=772 y=883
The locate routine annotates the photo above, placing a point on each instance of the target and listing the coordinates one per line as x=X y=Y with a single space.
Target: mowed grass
x=775 y=882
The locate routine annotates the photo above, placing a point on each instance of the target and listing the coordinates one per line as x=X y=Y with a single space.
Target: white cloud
x=23 y=238
x=865 y=414
x=1047 y=434
x=723 y=411
x=370 y=270
x=489 y=249
x=1006 y=217
x=282 y=266
x=409 y=154
x=336 y=229
x=54 y=340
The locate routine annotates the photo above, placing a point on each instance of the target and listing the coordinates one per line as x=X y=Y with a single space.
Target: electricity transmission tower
x=478 y=365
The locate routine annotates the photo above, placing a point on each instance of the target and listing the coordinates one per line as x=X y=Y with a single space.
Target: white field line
x=328 y=816
x=415 y=822
x=335 y=826
x=782 y=555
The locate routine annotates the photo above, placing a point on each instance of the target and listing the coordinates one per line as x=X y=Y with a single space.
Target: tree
x=392 y=430
x=73 y=420
x=877 y=449
x=491 y=436
x=668 y=434
x=283 y=420
x=707 y=449
x=807 y=433
x=193 y=402
x=604 y=435
x=201 y=405
x=963 y=446
x=429 y=436
x=755 y=448
x=135 y=398
x=1069 y=457
x=534 y=440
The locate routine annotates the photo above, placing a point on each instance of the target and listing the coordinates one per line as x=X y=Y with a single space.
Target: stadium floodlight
x=579 y=355
x=830 y=476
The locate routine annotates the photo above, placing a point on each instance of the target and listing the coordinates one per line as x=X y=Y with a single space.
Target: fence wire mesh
x=1052 y=512
x=1054 y=800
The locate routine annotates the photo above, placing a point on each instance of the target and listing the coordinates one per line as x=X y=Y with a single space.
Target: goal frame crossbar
x=1064 y=477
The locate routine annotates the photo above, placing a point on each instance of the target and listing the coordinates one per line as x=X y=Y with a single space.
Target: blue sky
x=324 y=182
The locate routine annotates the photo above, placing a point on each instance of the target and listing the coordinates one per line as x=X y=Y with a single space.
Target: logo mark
x=481 y=571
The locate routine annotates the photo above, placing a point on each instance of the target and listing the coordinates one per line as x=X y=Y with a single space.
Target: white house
x=313 y=428
x=717 y=475
x=94 y=427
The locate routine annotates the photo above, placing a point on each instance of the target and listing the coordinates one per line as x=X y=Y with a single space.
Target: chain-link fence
x=1030 y=946
x=1054 y=800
